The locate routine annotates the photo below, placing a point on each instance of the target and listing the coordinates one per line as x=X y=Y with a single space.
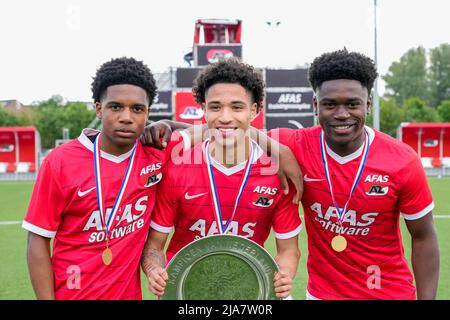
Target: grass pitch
x=15 y=283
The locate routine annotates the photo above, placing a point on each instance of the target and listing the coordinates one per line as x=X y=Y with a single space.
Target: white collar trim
x=354 y=155
x=241 y=166
x=84 y=140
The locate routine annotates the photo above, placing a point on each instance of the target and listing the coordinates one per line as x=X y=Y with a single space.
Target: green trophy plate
x=223 y=267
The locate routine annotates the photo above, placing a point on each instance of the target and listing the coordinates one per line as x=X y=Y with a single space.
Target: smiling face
x=229 y=108
x=342 y=106
x=123 y=111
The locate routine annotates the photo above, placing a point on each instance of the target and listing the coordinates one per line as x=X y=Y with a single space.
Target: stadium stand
x=431 y=141
x=19 y=153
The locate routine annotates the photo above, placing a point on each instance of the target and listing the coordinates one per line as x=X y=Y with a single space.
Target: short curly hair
x=230 y=70
x=123 y=71
x=342 y=64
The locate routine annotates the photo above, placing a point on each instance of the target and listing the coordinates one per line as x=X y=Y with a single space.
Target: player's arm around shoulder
x=282 y=159
x=157 y=134
x=153 y=261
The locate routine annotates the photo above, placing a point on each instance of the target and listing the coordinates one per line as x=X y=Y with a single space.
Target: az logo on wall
x=191 y=113
x=214 y=55
x=187 y=109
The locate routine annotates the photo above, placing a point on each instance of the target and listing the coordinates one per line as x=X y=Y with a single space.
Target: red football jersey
x=393 y=182
x=64 y=207
x=184 y=201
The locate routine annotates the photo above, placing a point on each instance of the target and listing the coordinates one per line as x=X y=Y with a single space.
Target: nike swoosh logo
x=307 y=179
x=83 y=193
x=188 y=197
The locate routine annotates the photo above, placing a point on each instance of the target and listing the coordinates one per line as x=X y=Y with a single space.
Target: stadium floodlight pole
x=376 y=102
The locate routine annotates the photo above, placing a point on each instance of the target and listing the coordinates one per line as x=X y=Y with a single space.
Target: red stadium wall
x=430 y=140
x=27 y=148
x=430 y=143
x=7 y=146
x=19 y=145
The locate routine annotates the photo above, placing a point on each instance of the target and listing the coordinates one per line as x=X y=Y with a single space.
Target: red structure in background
x=431 y=141
x=186 y=109
x=215 y=39
x=19 y=149
x=217 y=31
x=189 y=111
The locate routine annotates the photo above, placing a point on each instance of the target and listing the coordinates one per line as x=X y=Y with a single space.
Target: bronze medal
x=339 y=243
x=107 y=256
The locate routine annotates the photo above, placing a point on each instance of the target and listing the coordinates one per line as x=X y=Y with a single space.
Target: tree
x=439 y=74
x=444 y=110
x=416 y=110
x=408 y=77
x=49 y=120
x=52 y=115
x=391 y=115
x=77 y=117
x=7 y=118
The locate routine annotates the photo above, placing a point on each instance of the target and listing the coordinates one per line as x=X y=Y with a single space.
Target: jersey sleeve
x=283 y=136
x=46 y=205
x=415 y=199
x=164 y=213
x=287 y=222
x=179 y=143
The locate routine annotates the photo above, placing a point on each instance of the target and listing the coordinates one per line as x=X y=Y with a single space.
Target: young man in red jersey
x=94 y=196
x=200 y=195
x=357 y=183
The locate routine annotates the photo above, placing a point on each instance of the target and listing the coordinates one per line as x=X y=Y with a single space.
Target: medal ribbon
x=362 y=164
x=98 y=184
x=215 y=197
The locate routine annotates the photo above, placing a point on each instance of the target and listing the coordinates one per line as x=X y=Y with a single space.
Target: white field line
x=2 y=223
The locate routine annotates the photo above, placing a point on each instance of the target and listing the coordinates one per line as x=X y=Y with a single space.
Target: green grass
x=15 y=283
x=440 y=189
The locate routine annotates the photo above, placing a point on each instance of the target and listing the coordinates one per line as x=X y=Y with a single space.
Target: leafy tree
x=26 y=118
x=391 y=115
x=7 y=118
x=77 y=117
x=408 y=77
x=52 y=115
x=416 y=110
x=439 y=74
x=49 y=120
x=444 y=110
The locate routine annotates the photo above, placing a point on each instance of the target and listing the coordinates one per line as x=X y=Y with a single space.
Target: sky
x=53 y=47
